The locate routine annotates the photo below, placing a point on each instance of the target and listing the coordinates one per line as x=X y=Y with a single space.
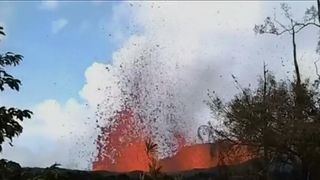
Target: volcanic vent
x=143 y=102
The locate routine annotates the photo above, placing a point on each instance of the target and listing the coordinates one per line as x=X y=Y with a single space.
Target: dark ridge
x=244 y=171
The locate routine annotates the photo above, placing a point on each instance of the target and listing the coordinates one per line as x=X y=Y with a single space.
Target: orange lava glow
x=200 y=156
x=126 y=144
x=129 y=152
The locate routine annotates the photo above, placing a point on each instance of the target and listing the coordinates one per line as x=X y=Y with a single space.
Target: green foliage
x=280 y=120
x=9 y=59
x=10 y=117
x=9 y=170
x=51 y=173
x=1 y=31
x=9 y=125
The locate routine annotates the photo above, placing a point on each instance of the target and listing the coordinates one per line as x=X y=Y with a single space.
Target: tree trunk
x=296 y=65
x=305 y=170
x=318 y=3
x=265 y=146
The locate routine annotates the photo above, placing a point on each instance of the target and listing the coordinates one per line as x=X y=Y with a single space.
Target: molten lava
x=200 y=156
x=121 y=148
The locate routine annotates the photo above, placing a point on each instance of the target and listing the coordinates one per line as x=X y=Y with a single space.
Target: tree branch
x=316 y=66
x=303 y=25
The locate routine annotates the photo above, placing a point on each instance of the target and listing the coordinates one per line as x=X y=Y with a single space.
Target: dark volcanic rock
x=246 y=171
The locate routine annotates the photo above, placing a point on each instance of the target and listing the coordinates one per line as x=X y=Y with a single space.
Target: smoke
x=164 y=70
x=163 y=74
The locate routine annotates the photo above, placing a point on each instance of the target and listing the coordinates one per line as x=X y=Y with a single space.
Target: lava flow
x=122 y=149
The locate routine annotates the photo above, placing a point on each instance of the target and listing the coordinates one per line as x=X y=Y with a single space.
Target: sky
x=72 y=50
x=54 y=36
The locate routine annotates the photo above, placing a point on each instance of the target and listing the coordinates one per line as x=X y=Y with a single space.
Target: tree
x=279 y=120
x=272 y=124
x=275 y=27
x=311 y=18
x=11 y=117
x=154 y=166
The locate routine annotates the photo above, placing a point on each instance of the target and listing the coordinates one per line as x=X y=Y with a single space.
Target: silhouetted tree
x=279 y=120
x=270 y=121
x=11 y=117
x=275 y=27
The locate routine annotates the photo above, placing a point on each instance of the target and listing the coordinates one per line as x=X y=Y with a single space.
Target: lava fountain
x=123 y=150
x=145 y=103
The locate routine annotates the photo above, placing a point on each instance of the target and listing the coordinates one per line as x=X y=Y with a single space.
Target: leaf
x=55 y=165
x=1 y=31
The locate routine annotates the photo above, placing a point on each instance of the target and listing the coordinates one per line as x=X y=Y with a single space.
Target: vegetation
x=275 y=27
x=280 y=119
x=12 y=171
x=154 y=167
x=10 y=117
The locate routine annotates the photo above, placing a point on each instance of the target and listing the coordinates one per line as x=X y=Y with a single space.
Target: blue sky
x=54 y=62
